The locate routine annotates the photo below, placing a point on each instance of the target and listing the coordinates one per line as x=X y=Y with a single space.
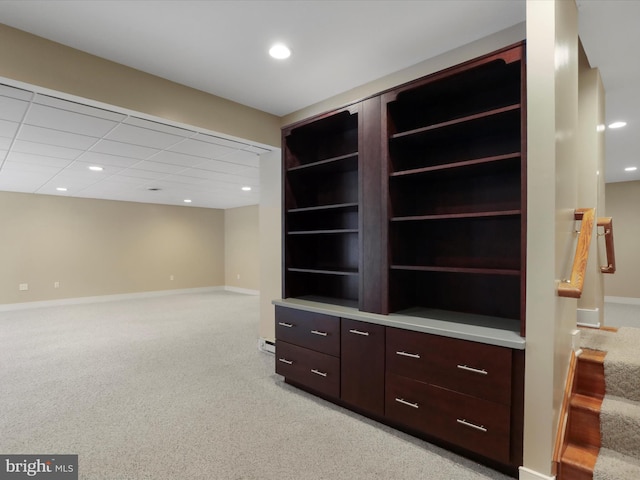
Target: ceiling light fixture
x=187 y=200
x=61 y=189
x=630 y=169
x=617 y=124
x=96 y=168
x=246 y=189
x=280 y=51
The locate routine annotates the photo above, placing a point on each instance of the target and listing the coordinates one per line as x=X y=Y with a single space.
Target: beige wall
x=591 y=177
x=270 y=240
x=552 y=106
x=37 y=61
x=241 y=247
x=623 y=199
x=100 y=247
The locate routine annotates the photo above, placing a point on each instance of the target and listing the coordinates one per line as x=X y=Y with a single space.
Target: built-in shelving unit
x=321 y=246
x=404 y=257
x=455 y=161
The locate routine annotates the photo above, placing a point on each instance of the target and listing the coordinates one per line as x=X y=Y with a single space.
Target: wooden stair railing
x=573 y=287
x=607 y=224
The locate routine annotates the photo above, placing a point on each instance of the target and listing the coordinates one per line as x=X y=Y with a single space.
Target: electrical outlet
x=238 y=276
x=23 y=287
x=56 y=284
x=171 y=277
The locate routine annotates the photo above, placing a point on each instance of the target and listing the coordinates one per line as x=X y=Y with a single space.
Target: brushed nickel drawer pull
x=471 y=425
x=474 y=370
x=288 y=325
x=317 y=372
x=358 y=332
x=284 y=360
x=404 y=402
x=316 y=332
x=405 y=354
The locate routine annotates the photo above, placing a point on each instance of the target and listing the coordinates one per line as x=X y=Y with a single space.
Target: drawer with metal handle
x=314 y=370
x=316 y=331
x=468 y=367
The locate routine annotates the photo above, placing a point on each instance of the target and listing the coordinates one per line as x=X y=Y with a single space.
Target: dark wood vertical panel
x=517 y=408
x=373 y=242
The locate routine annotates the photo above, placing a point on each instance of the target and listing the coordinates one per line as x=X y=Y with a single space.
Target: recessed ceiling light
x=630 y=169
x=96 y=168
x=617 y=124
x=187 y=200
x=280 y=51
x=61 y=189
x=246 y=189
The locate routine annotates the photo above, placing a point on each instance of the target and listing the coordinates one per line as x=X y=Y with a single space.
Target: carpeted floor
x=174 y=387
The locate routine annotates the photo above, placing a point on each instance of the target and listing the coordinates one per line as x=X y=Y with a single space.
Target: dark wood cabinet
x=410 y=205
x=362 y=365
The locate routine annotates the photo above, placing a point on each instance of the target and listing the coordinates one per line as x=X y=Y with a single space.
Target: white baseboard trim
x=626 y=300
x=246 y=291
x=527 y=474
x=266 y=346
x=8 y=307
x=589 y=317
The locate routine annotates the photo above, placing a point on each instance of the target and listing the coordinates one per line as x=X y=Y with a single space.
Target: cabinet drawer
x=310 y=330
x=318 y=371
x=472 y=368
x=472 y=423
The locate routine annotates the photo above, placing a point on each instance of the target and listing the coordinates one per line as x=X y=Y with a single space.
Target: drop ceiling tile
x=202 y=149
x=160 y=127
x=249 y=172
x=20 y=182
x=255 y=149
x=5 y=143
x=134 y=172
x=217 y=166
x=46 y=150
x=83 y=169
x=38 y=160
x=80 y=108
x=12 y=109
x=30 y=168
x=188 y=180
x=143 y=137
x=49 y=136
x=159 y=167
x=13 y=92
x=8 y=129
x=124 y=179
x=174 y=158
x=220 y=141
x=105 y=159
x=123 y=149
x=44 y=116
x=244 y=158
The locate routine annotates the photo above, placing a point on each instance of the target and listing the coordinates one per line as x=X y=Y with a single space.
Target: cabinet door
x=362 y=365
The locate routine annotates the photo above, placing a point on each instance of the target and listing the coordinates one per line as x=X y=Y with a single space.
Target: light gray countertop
x=476 y=328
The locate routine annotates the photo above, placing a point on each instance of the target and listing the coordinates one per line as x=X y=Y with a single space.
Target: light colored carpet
x=174 y=388
x=619 y=457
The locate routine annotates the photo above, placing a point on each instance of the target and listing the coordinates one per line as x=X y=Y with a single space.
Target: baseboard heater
x=266 y=346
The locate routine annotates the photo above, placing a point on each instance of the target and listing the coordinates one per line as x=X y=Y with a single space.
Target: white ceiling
x=220 y=47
